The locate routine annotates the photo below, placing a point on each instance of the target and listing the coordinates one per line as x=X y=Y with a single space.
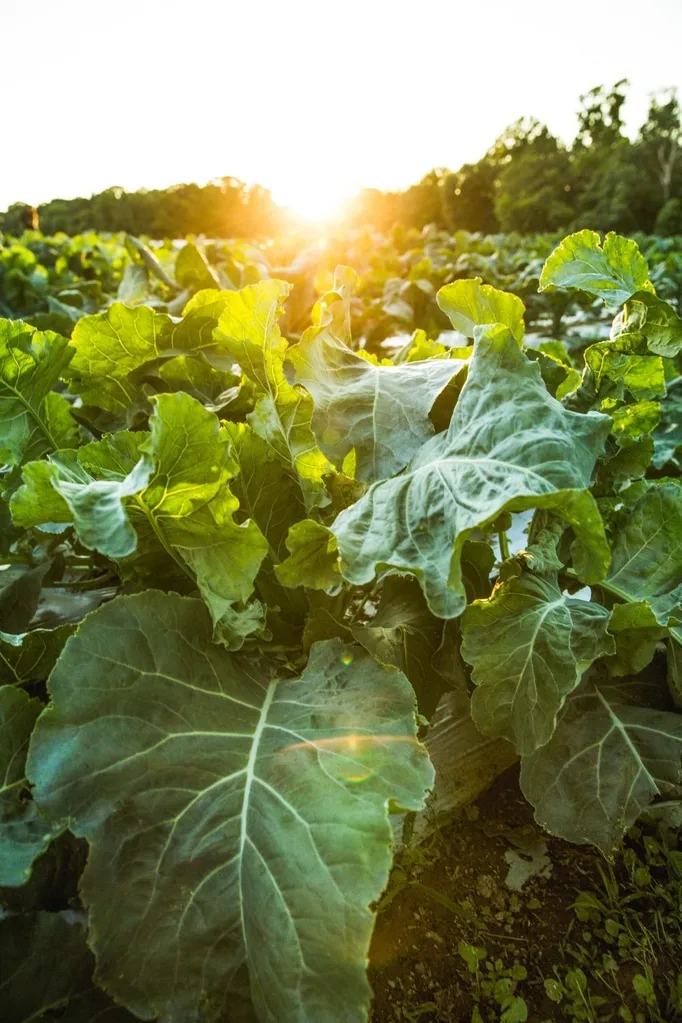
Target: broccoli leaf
x=509 y=446
x=242 y=820
x=529 y=645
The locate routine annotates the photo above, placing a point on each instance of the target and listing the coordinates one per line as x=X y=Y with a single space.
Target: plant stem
x=504 y=545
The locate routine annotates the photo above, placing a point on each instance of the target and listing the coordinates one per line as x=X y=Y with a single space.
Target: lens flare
x=352 y=758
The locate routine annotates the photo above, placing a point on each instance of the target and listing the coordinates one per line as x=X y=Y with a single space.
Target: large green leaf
x=61 y=489
x=529 y=645
x=241 y=820
x=192 y=269
x=188 y=508
x=380 y=411
x=113 y=347
x=248 y=331
x=24 y=834
x=19 y=596
x=607 y=760
x=510 y=445
x=110 y=346
x=466 y=762
x=34 y=419
x=647 y=554
x=612 y=272
x=46 y=967
x=469 y=304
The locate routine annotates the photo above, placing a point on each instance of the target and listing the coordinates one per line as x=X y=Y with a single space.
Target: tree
x=600 y=118
x=534 y=190
x=469 y=198
x=660 y=137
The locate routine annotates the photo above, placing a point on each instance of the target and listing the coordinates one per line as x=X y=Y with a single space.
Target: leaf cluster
x=237 y=562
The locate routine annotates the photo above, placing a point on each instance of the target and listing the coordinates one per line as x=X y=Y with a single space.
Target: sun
x=316 y=202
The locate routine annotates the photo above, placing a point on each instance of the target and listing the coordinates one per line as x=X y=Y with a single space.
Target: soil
x=416 y=968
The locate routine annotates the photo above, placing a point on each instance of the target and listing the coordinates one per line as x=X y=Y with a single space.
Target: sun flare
x=316 y=202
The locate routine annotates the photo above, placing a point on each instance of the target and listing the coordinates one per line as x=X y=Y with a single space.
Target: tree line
x=528 y=181
x=225 y=207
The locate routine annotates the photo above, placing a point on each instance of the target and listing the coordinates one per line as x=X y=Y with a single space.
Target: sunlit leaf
x=614 y=271
x=469 y=304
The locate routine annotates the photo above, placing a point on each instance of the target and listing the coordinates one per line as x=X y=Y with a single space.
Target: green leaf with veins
x=111 y=345
x=266 y=492
x=313 y=557
x=621 y=362
x=609 y=757
x=24 y=834
x=31 y=656
x=34 y=419
x=633 y=423
x=469 y=304
x=657 y=321
x=114 y=347
x=223 y=770
x=46 y=967
x=510 y=446
x=647 y=554
x=60 y=489
x=528 y=646
x=248 y=331
x=380 y=411
x=613 y=272
x=637 y=633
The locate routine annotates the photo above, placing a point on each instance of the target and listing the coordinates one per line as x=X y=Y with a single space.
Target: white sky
x=311 y=98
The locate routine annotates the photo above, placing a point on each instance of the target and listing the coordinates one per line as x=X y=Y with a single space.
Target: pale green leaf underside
x=380 y=411
x=510 y=444
x=241 y=821
x=608 y=759
x=529 y=646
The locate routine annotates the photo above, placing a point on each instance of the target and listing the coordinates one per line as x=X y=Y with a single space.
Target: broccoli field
x=341 y=628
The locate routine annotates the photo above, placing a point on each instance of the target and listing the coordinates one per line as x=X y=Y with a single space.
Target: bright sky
x=310 y=98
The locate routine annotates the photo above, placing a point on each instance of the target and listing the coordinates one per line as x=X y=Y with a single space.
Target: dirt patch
x=454 y=943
